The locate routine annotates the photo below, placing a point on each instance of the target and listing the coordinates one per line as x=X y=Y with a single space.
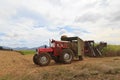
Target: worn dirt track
x=14 y=63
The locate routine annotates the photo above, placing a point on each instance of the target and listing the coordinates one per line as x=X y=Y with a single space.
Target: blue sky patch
x=85 y=31
x=1 y=40
x=22 y=41
x=68 y=28
x=2 y=34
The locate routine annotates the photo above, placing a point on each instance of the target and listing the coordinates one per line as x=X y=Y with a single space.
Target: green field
x=111 y=50
x=25 y=52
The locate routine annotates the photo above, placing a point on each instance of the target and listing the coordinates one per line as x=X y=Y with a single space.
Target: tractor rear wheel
x=66 y=56
x=43 y=59
x=35 y=59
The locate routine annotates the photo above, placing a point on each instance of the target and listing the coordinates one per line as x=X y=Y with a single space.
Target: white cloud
x=33 y=23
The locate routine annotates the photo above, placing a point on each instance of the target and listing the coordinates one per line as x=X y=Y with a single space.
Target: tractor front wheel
x=35 y=59
x=43 y=59
x=66 y=56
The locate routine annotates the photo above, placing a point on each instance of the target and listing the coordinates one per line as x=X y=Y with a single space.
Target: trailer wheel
x=35 y=59
x=43 y=59
x=66 y=56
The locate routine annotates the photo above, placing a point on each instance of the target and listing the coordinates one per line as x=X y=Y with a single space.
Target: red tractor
x=60 y=51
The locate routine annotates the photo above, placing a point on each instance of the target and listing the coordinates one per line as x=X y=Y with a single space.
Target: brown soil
x=15 y=64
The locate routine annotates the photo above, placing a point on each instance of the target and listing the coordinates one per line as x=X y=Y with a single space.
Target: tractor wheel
x=35 y=59
x=80 y=58
x=66 y=56
x=43 y=59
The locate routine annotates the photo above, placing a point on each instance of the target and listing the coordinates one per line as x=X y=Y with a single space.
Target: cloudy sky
x=30 y=23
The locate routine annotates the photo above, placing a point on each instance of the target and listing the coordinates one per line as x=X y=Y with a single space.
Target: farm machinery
x=93 y=50
x=63 y=51
x=66 y=50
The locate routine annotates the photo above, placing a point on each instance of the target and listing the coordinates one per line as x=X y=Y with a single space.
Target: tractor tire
x=80 y=58
x=43 y=59
x=35 y=59
x=66 y=56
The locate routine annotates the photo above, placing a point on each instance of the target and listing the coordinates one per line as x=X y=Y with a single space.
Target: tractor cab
x=58 y=46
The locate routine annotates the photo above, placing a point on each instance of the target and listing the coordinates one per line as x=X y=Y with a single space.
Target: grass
x=107 y=68
x=25 y=52
x=92 y=71
x=111 y=50
x=89 y=72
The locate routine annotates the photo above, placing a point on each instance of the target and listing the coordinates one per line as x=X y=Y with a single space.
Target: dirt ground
x=16 y=65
